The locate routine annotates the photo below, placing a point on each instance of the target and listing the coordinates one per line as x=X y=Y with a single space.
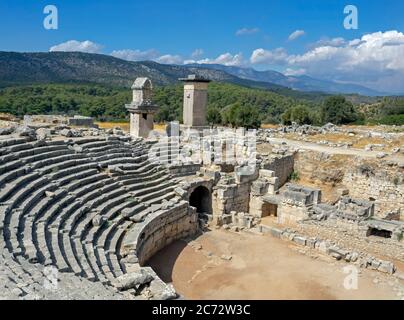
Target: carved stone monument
x=195 y=101
x=142 y=108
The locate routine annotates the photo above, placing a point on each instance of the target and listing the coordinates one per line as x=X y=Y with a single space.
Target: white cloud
x=138 y=55
x=135 y=55
x=334 y=42
x=226 y=59
x=375 y=60
x=151 y=54
x=170 y=59
x=74 y=45
x=261 y=56
x=247 y=31
x=294 y=72
x=374 y=55
x=197 y=53
x=296 y=34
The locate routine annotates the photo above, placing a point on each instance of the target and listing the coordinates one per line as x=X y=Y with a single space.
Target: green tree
x=299 y=114
x=236 y=115
x=213 y=115
x=248 y=117
x=229 y=114
x=338 y=110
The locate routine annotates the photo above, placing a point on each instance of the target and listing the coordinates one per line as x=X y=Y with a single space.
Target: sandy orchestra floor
x=225 y=265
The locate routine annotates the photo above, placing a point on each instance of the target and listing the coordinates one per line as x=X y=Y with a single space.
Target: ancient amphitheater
x=83 y=209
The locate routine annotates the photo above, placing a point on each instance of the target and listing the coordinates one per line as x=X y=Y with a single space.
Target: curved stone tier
x=69 y=206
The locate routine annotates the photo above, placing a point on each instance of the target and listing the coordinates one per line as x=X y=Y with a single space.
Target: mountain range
x=70 y=67
x=302 y=83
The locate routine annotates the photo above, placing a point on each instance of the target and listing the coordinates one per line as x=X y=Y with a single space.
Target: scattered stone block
x=132 y=280
x=300 y=240
x=275 y=232
x=381 y=155
x=235 y=229
x=226 y=257
x=43 y=133
x=181 y=192
x=6 y=131
x=311 y=242
x=354 y=256
x=387 y=267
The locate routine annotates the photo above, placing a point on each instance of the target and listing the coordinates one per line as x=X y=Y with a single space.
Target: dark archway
x=379 y=233
x=201 y=199
x=269 y=209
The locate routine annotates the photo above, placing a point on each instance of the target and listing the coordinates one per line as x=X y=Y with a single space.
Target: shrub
x=294 y=176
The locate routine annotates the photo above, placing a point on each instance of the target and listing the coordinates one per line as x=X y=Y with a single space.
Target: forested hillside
x=98 y=86
x=107 y=103
x=227 y=102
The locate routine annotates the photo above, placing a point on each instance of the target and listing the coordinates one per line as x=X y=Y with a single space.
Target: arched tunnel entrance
x=201 y=199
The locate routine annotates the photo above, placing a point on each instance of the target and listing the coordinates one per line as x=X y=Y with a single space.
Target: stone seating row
x=61 y=208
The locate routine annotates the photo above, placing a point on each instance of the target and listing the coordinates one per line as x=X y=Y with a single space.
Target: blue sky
x=251 y=33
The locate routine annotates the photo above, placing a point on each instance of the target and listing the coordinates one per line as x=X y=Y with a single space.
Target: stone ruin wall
x=233 y=198
x=365 y=179
x=351 y=236
x=160 y=229
x=385 y=185
x=281 y=165
x=290 y=214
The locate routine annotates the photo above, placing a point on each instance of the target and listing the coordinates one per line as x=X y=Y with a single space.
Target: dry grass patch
x=110 y=125
x=125 y=126
x=270 y=126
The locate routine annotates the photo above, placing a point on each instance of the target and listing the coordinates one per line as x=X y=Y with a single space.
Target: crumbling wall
x=290 y=213
x=234 y=197
x=384 y=185
x=352 y=235
x=81 y=121
x=281 y=165
x=367 y=179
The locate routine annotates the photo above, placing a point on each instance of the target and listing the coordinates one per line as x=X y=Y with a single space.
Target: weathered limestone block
x=273 y=185
x=255 y=206
x=276 y=232
x=386 y=266
x=291 y=214
x=132 y=280
x=323 y=211
x=300 y=240
x=259 y=187
x=6 y=131
x=211 y=173
x=245 y=174
x=281 y=165
x=226 y=192
x=43 y=133
x=311 y=242
x=24 y=131
x=267 y=174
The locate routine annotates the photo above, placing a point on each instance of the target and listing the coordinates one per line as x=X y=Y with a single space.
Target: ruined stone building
x=93 y=207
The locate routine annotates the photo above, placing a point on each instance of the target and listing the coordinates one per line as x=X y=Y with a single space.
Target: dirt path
x=261 y=267
x=333 y=150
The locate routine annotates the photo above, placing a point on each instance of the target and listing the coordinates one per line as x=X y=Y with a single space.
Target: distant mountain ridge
x=302 y=83
x=18 y=68
x=69 y=67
